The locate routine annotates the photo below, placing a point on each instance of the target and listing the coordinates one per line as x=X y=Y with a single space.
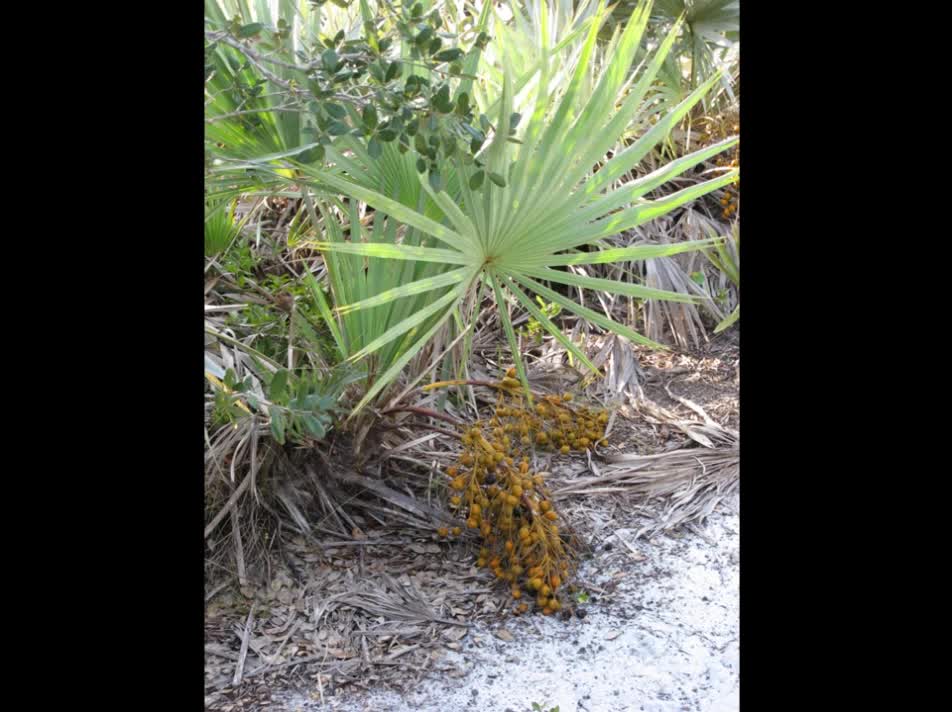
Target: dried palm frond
x=690 y=482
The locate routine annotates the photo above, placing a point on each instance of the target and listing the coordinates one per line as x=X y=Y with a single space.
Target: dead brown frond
x=688 y=483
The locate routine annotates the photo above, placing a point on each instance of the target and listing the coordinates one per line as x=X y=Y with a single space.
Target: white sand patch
x=665 y=640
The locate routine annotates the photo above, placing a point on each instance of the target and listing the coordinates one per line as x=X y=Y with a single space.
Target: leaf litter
x=391 y=618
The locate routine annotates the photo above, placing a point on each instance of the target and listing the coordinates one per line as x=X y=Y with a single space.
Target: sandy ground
x=660 y=634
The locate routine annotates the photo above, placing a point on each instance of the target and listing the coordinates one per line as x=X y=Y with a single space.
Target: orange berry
x=443 y=531
x=551 y=516
x=457 y=531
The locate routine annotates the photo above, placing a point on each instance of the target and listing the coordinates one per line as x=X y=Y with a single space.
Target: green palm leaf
x=549 y=205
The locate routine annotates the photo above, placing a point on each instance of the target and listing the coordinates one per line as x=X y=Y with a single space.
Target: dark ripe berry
x=490 y=478
x=580 y=612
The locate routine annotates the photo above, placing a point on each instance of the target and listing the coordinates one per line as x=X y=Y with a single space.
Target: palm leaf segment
x=512 y=237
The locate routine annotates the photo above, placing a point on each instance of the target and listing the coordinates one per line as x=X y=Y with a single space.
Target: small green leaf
x=420 y=165
x=448 y=55
x=387 y=135
x=392 y=71
x=277 y=425
x=335 y=110
x=329 y=60
x=476 y=180
x=277 y=389
x=313 y=425
x=425 y=34
x=250 y=30
x=442 y=100
x=338 y=128
x=497 y=179
x=374 y=148
x=436 y=181
x=312 y=155
x=376 y=72
x=370 y=117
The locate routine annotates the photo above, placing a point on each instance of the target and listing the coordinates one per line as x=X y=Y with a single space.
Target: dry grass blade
x=682 y=319
x=692 y=481
x=394 y=601
x=243 y=654
x=425 y=513
x=709 y=433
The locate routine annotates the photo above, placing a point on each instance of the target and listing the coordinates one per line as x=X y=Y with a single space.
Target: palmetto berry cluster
x=498 y=494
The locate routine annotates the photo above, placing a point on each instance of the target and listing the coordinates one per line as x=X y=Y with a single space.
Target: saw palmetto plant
x=519 y=217
x=726 y=257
